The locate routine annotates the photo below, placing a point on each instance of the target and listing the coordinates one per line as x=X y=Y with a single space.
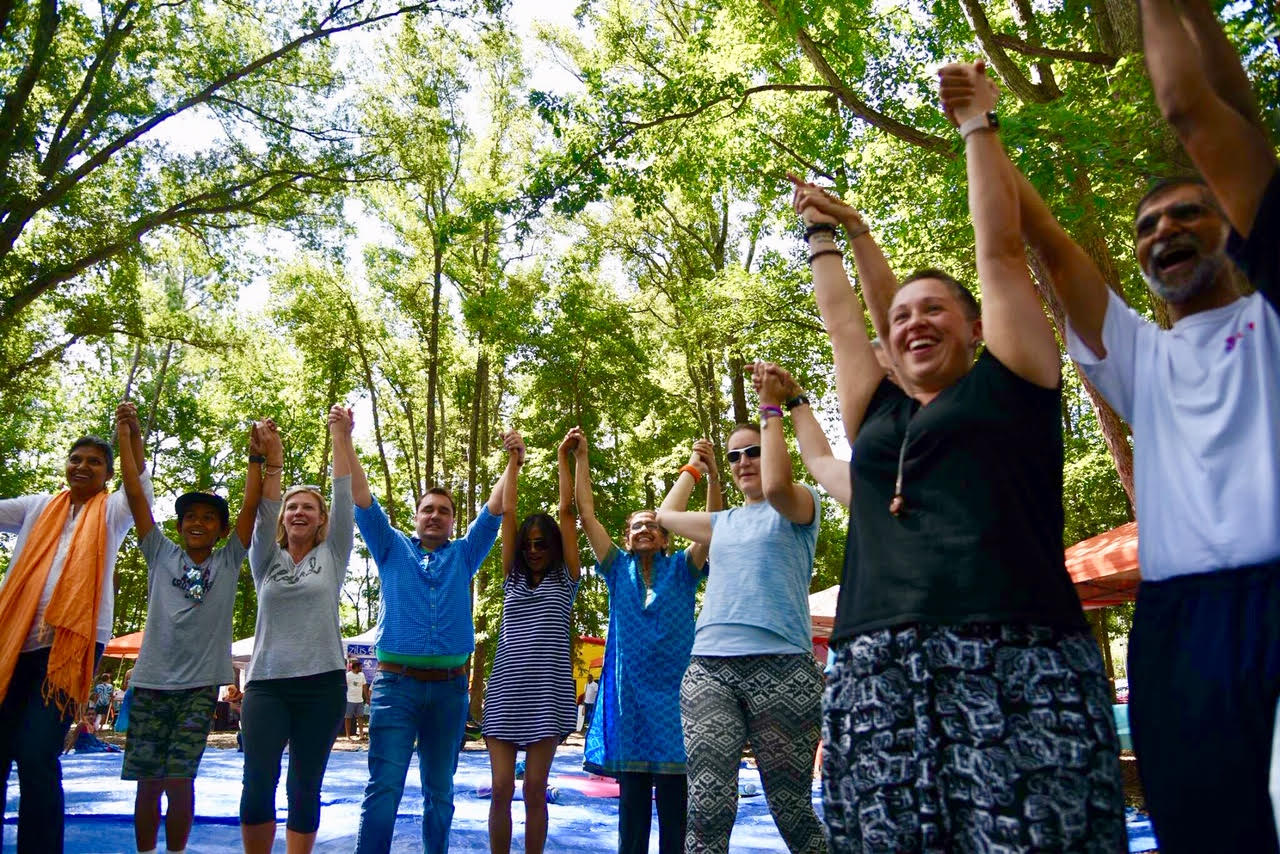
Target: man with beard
x=1203 y=400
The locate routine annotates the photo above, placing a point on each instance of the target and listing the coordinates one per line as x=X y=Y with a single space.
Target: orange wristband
x=697 y=475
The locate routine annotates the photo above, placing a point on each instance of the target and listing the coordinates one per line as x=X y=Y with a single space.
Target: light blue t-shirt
x=757 y=599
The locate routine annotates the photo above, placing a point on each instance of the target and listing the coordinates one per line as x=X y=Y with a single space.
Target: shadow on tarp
x=99 y=809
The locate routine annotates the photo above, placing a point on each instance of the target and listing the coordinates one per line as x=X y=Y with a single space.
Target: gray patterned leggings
x=773 y=701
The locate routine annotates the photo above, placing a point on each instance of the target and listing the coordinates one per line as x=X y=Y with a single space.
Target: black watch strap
x=258 y=458
x=799 y=400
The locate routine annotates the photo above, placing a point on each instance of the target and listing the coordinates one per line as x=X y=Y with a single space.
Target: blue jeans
x=403 y=709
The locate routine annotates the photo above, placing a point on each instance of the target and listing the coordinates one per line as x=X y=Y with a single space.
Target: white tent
x=361 y=646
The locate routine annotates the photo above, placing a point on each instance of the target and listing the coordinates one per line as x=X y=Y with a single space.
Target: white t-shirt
x=1203 y=400
x=589 y=693
x=19 y=515
x=355 y=687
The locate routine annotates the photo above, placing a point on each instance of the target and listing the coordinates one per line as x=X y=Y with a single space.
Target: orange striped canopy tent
x=1104 y=568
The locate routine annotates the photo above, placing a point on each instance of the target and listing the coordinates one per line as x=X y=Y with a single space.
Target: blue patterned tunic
x=636 y=725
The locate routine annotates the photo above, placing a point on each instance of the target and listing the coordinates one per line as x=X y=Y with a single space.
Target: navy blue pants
x=1204 y=676
x=31 y=735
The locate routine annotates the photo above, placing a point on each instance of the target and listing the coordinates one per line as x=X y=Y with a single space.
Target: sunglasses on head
x=752 y=451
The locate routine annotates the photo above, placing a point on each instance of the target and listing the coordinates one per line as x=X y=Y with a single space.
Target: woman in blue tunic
x=529 y=701
x=635 y=732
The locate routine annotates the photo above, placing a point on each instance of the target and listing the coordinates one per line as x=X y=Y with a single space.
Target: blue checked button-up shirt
x=426 y=596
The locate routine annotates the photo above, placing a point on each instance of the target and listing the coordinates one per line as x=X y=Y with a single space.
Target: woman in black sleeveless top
x=967 y=708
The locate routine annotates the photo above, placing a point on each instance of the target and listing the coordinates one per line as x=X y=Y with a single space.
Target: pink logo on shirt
x=1236 y=337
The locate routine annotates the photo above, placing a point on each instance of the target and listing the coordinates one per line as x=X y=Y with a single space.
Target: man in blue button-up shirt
x=425 y=634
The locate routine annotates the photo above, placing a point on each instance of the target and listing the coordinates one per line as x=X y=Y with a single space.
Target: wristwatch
x=982 y=121
x=800 y=399
x=260 y=459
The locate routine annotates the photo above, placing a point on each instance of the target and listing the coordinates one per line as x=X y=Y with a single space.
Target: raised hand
x=341 y=418
x=257 y=447
x=965 y=91
x=706 y=454
x=127 y=414
x=568 y=444
x=273 y=447
x=815 y=204
x=513 y=443
x=790 y=388
x=767 y=383
x=580 y=443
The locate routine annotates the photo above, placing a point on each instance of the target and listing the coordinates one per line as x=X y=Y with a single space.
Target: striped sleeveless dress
x=531 y=691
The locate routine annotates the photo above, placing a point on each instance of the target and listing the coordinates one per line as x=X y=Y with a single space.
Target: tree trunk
x=1125 y=25
x=738 y=383
x=377 y=421
x=1097 y=618
x=433 y=354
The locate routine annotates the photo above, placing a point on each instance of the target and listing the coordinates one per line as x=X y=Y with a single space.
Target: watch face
x=993 y=120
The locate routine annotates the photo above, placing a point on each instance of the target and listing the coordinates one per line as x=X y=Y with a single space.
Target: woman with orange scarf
x=55 y=618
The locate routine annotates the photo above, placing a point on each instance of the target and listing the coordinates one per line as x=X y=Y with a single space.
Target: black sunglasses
x=752 y=451
x=536 y=545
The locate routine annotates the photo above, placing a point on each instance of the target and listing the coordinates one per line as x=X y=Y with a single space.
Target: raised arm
x=252 y=487
x=815 y=451
x=597 y=536
x=1014 y=325
x=345 y=459
x=510 y=440
x=677 y=499
x=273 y=471
x=858 y=372
x=510 y=528
x=568 y=518
x=1202 y=91
x=789 y=498
x=130 y=469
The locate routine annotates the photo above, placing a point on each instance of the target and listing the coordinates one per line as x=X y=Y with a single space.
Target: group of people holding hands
x=965 y=706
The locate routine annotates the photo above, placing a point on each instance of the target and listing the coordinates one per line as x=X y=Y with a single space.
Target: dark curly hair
x=550 y=534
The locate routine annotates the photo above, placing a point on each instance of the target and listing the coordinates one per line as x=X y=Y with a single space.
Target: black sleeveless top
x=980 y=536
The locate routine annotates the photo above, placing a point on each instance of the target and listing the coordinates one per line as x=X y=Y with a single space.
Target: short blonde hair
x=282 y=537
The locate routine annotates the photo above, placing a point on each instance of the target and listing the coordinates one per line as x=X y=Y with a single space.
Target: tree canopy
x=229 y=211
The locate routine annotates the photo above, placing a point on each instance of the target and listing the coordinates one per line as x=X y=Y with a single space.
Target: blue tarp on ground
x=100 y=809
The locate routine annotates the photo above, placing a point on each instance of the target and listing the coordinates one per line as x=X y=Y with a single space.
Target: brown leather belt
x=422 y=674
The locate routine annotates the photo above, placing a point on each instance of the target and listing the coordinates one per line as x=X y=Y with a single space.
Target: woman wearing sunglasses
x=529 y=701
x=753 y=676
x=967 y=707
x=296 y=691
x=635 y=731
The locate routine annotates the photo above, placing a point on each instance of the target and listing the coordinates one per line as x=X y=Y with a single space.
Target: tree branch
x=1010 y=74
x=15 y=103
x=853 y=103
x=1093 y=57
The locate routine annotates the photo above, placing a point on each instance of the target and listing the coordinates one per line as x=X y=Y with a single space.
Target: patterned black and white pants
x=974 y=738
x=773 y=701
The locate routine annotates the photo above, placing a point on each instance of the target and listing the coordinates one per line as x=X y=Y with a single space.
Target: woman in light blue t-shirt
x=753 y=675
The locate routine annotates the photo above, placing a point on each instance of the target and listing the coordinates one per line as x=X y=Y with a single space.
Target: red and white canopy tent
x=1104 y=570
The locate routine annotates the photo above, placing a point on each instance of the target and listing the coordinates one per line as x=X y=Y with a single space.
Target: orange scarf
x=73 y=605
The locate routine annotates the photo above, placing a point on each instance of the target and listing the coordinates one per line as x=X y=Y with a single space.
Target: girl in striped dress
x=530 y=700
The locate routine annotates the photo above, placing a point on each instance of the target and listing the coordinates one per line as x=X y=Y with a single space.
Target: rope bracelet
x=821 y=252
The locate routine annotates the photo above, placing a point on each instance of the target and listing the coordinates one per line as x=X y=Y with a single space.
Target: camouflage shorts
x=167 y=732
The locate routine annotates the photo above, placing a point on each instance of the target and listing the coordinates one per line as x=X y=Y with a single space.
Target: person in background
x=56 y=604
x=589 y=694
x=295 y=692
x=101 y=700
x=186 y=647
x=635 y=732
x=357 y=694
